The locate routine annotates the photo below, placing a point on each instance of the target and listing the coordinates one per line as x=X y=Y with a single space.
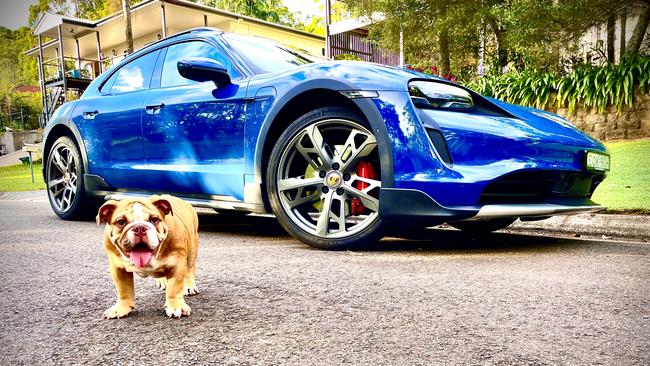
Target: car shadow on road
x=450 y=240
x=234 y=223
x=412 y=240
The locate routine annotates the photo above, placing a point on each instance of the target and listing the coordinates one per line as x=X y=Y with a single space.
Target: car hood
x=549 y=126
x=358 y=74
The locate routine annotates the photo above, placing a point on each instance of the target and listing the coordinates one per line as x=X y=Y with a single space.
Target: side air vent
x=440 y=144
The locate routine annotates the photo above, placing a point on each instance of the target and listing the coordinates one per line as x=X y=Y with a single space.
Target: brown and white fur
x=157 y=237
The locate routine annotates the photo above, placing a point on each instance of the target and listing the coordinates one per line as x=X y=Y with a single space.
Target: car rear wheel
x=64 y=180
x=483 y=226
x=323 y=180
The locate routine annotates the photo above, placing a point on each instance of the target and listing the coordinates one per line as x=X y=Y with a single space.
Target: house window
x=170 y=75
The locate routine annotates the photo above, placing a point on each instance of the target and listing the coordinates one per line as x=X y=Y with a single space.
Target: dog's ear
x=163 y=205
x=105 y=212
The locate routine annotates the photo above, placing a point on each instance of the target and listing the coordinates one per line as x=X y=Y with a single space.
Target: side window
x=170 y=75
x=136 y=75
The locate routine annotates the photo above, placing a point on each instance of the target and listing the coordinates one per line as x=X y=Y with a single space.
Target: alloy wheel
x=317 y=181
x=62 y=177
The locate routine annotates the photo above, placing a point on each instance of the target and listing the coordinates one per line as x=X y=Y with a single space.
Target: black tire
x=348 y=230
x=64 y=181
x=483 y=226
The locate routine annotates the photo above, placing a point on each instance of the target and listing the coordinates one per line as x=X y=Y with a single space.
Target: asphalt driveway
x=437 y=298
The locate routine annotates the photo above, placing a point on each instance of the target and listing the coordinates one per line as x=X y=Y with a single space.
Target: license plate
x=597 y=161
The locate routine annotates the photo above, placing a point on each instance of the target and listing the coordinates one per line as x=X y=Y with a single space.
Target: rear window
x=133 y=76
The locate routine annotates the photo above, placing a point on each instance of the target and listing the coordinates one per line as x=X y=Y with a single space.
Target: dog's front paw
x=161 y=283
x=119 y=310
x=191 y=291
x=177 y=308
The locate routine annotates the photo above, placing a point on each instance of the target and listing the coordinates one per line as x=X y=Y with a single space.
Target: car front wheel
x=323 y=180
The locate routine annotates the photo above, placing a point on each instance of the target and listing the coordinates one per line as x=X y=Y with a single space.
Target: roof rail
x=198 y=29
x=137 y=52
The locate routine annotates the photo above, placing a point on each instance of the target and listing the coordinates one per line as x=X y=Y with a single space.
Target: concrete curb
x=608 y=225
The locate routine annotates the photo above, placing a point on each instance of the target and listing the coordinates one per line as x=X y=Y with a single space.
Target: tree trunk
x=623 y=31
x=502 y=43
x=444 y=53
x=128 y=32
x=611 y=38
x=639 y=32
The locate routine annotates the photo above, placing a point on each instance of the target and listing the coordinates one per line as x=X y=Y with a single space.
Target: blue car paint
x=195 y=142
x=113 y=137
x=210 y=143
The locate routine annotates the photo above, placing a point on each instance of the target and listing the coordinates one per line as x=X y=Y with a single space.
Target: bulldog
x=153 y=237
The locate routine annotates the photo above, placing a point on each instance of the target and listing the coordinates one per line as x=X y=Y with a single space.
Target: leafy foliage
x=347 y=56
x=17 y=69
x=591 y=86
x=269 y=10
x=526 y=34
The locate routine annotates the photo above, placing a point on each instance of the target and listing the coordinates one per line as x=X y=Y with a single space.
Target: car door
x=194 y=132
x=110 y=124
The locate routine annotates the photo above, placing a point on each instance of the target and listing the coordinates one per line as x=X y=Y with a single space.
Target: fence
x=20 y=117
x=358 y=45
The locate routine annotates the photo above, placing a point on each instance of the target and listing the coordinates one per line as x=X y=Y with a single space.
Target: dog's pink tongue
x=141 y=257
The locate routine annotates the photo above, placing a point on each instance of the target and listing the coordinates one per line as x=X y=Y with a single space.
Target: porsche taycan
x=338 y=151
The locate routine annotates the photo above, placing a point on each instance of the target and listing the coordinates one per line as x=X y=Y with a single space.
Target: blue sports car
x=338 y=151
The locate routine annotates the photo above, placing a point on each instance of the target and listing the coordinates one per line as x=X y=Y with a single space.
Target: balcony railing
x=84 y=69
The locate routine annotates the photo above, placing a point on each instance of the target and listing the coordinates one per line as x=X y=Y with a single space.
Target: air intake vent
x=539 y=187
x=440 y=144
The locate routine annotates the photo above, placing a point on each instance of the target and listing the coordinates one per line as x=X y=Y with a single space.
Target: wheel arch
x=64 y=129
x=309 y=96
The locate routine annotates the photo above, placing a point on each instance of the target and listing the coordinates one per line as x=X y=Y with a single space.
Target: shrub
x=594 y=87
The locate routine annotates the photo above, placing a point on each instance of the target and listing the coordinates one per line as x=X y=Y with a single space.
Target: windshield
x=265 y=55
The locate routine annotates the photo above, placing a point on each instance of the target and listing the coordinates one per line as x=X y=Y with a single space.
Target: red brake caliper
x=364 y=170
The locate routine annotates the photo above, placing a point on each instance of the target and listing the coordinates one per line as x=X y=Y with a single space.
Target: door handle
x=90 y=114
x=153 y=109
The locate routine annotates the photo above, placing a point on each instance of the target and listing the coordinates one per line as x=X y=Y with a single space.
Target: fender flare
x=365 y=105
x=76 y=135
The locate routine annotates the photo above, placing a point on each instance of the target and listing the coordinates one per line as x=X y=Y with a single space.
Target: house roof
x=27 y=89
x=146 y=17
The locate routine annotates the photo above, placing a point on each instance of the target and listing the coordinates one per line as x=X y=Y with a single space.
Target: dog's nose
x=139 y=230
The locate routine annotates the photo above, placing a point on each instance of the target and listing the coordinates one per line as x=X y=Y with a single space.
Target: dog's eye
x=154 y=220
x=120 y=222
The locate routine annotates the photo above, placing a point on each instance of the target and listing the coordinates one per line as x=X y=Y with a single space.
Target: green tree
x=85 y=9
x=522 y=33
x=269 y=10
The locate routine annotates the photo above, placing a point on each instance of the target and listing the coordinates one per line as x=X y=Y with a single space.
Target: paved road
x=267 y=299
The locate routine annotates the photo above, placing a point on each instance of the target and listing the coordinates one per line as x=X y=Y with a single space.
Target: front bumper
x=411 y=207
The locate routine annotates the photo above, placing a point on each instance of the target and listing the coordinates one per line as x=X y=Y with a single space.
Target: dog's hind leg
x=161 y=283
x=190 y=282
x=190 y=277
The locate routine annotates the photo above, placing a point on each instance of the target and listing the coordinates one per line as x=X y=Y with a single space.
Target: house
x=26 y=89
x=71 y=52
x=347 y=33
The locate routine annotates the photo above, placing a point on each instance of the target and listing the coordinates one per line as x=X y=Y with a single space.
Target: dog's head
x=136 y=226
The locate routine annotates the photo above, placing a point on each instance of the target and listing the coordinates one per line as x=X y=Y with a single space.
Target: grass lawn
x=627 y=186
x=17 y=178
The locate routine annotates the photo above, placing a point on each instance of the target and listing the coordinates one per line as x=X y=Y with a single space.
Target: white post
x=401 y=48
x=328 y=9
x=164 y=21
x=99 y=54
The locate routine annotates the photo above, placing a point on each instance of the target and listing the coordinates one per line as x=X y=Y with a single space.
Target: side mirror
x=203 y=69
